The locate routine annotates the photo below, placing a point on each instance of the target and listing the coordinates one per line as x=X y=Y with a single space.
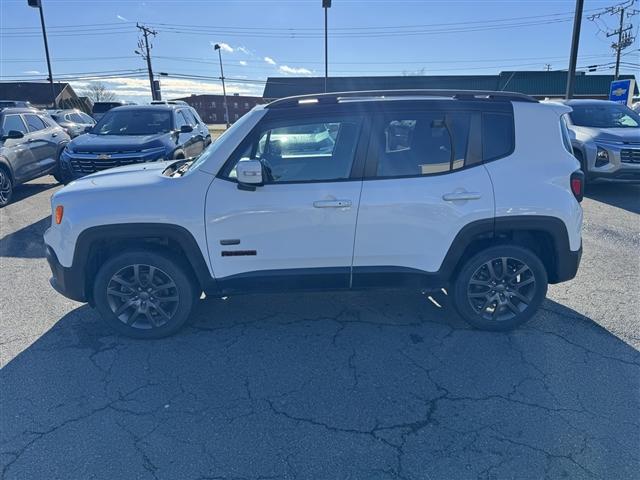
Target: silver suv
x=606 y=139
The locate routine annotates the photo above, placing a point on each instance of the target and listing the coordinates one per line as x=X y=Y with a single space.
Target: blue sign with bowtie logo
x=621 y=91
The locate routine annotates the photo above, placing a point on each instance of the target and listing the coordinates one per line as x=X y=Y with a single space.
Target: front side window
x=497 y=135
x=76 y=118
x=35 y=123
x=423 y=144
x=13 y=122
x=605 y=115
x=303 y=152
x=134 y=122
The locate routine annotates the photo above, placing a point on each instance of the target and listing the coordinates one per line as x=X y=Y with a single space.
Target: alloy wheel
x=5 y=187
x=142 y=296
x=501 y=289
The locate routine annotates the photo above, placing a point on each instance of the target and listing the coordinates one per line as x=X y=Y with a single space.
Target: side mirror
x=88 y=129
x=249 y=172
x=186 y=129
x=14 y=134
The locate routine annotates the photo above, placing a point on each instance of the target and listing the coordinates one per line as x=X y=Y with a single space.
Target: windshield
x=134 y=122
x=102 y=107
x=606 y=115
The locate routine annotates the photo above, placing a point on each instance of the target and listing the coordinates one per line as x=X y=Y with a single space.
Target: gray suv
x=74 y=122
x=30 y=147
x=606 y=139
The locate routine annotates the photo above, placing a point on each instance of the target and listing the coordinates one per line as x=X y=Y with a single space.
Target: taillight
x=577 y=184
x=58 y=214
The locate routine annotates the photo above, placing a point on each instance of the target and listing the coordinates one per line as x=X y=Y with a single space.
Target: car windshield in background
x=604 y=116
x=134 y=122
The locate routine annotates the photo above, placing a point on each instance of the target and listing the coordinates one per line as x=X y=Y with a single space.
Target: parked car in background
x=605 y=139
x=74 y=122
x=476 y=192
x=30 y=147
x=136 y=134
x=100 y=108
x=14 y=104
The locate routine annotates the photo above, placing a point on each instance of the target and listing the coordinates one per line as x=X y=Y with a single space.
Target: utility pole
x=144 y=44
x=38 y=4
x=224 y=90
x=625 y=38
x=575 y=40
x=547 y=67
x=326 y=4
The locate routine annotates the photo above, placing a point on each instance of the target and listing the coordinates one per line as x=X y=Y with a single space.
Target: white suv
x=476 y=192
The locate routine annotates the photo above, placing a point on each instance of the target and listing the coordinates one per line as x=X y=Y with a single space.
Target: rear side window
x=13 y=122
x=423 y=144
x=497 y=135
x=35 y=123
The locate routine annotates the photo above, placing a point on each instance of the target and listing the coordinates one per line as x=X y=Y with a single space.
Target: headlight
x=602 y=157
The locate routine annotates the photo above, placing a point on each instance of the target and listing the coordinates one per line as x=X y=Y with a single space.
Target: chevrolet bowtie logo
x=104 y=156
x=618 y=92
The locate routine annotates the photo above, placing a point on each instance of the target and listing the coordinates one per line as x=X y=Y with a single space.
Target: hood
x=91 y=143
x=120 y=177
x=615 y=135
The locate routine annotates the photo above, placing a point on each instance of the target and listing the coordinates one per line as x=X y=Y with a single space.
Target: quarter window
x=423 y=144
x=303 y=152
x=497 y=135
x=180 y=120
x=566 y=137
x=13 y=122
x=35 y=123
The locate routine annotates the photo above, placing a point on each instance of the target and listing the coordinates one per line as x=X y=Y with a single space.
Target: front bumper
x=623 y=164
x=66 y=281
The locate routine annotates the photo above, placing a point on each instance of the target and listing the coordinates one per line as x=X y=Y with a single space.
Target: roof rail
x=330 y=98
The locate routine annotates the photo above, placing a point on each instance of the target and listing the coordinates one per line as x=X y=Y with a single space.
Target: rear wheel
x=6 y=187
x=144 y=294
x=583 y=164
x=500 y=288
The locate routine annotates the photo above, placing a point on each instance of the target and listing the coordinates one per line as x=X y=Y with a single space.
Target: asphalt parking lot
x=325 y=386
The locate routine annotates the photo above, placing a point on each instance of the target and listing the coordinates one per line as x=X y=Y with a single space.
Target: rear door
x=296 y=231
x=424 y=181
x=43 y=143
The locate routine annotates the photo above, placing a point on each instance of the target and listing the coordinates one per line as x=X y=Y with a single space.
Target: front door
x=297 y=230
x=424 y=182
x=22 y=159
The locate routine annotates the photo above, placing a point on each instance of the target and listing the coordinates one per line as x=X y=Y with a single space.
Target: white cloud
x=137 y=89
x=244 y=50
x=243 y=63
x=224 y=46
x=294 y=70
x=120 y=17
x=32 y=72
x=270 y=60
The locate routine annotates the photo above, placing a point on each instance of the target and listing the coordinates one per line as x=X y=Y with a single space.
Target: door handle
x=54 y=134
x=461 y=196
x=332 y=203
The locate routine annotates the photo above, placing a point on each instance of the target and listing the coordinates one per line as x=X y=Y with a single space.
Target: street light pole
x=575 y=40
x=326 y=4
x=38 y=4
x=224 y=90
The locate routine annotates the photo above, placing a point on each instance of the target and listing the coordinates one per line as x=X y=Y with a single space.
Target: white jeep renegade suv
x=477 y=192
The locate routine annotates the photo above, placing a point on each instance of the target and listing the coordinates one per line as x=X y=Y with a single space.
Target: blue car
x=136 y=134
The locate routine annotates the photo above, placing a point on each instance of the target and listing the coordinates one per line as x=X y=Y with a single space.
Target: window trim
x=474 y=143
x=267 y=123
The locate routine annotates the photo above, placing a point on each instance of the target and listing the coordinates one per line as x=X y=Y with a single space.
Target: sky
x=95 y=40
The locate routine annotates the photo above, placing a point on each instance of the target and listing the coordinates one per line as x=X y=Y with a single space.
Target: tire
x=498 y=302
x=6 y=187
x=583 y=164
x=61 y=174
x=152 y=312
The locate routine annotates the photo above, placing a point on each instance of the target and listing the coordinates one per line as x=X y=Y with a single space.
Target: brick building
x=211 y=107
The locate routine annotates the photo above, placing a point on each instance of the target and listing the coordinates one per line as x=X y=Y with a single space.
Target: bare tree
x=98 y=92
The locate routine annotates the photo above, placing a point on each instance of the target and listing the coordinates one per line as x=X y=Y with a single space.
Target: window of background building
x=235 y=104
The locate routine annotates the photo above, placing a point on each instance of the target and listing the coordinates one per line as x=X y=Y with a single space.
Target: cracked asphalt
x=325 y=386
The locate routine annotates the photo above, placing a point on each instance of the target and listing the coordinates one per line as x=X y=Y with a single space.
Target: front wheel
x=500 y=288
x=144 y=294
x=6 y=187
